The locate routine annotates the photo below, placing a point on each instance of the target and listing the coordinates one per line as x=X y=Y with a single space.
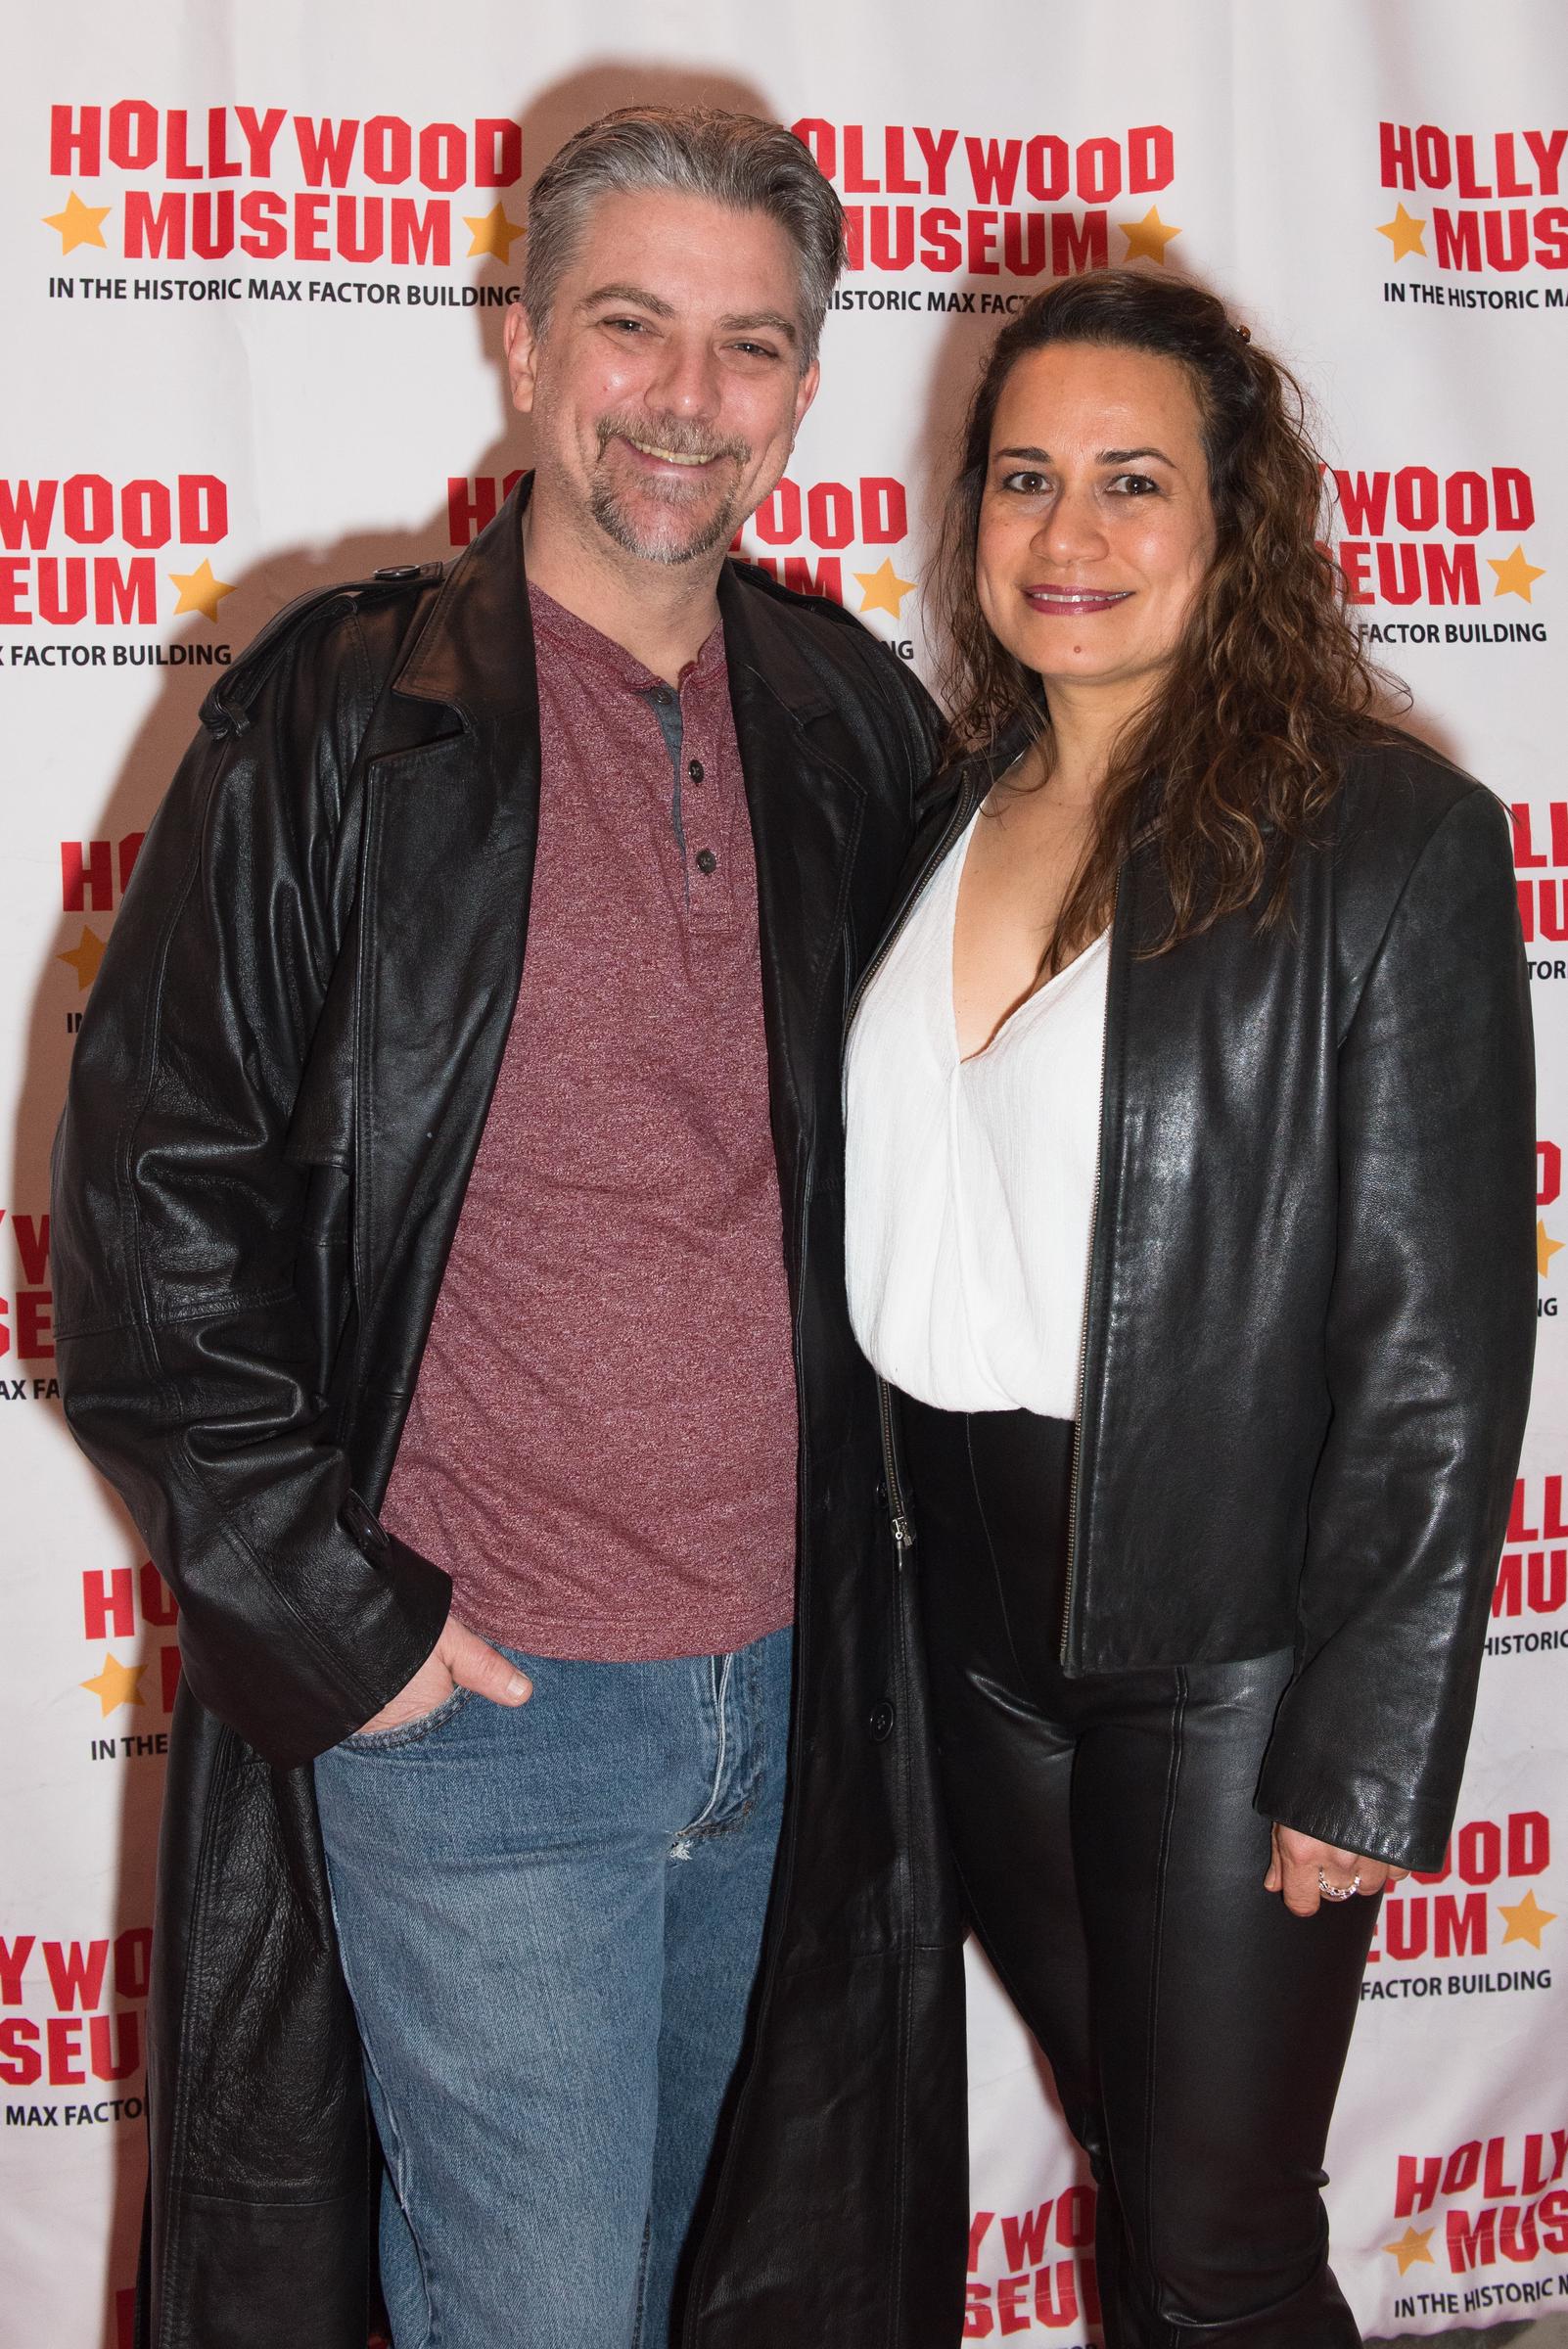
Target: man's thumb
x=474 y=1664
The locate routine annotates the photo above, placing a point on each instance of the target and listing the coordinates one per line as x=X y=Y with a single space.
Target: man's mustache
x=681 y=438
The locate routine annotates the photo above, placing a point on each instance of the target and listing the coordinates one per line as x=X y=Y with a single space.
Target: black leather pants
x=1113 y=1865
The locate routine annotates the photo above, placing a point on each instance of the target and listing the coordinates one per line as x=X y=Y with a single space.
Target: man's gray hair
x=734 y=159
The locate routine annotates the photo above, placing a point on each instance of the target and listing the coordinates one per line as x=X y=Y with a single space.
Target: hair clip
x=1245 y=332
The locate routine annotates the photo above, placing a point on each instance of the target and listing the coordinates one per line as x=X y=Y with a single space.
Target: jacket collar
x=476 y=654
x=763 y=636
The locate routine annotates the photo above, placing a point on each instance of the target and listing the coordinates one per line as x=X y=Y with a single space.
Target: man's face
x=667 y=385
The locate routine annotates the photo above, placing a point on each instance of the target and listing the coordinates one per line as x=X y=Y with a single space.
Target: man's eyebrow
x=774 y=319
x=635 y=293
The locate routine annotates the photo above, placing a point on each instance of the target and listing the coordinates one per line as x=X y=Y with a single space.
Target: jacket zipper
x=898 y=1511
x=1083 y=1376
x=1083 y=1343
x=902 y=1526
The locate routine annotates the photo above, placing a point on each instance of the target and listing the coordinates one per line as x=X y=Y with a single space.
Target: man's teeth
x=666 y=456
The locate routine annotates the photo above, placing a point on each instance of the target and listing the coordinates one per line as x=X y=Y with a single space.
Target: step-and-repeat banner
x=254 y=266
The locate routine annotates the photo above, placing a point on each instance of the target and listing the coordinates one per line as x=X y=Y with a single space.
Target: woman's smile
x=1073 y=603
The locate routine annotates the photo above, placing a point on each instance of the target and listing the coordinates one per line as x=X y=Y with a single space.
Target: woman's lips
x=1074 y=603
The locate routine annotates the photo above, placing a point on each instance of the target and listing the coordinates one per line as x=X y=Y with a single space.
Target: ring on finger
x=1338 y=1892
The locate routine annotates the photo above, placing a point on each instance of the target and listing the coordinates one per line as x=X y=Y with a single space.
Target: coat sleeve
x=192 y=1373
x=1430 y=1333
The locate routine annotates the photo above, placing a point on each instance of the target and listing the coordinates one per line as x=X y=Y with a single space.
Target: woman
x=1190 y=1212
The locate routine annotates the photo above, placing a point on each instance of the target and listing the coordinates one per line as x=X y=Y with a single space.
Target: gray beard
x=717 y=529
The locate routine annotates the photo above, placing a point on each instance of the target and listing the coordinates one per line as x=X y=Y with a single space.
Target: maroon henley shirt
x=601 y=1449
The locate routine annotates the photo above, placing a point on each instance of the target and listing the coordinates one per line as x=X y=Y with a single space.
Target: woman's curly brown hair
x=1239 y=758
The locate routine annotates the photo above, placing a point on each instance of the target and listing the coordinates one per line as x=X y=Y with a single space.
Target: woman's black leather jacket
x=1311 y=1308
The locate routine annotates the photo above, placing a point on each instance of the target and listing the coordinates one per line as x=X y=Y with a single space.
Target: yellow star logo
x=1527 y=1919
x=199 y=590
x=85 y=959
x=1403 y=233
x=1413 y=2246
x=1545 y=1249
x=1146 y=239
x=492 y=233
x=1516 y=576
x=116 y=1684
x=79 y=223
x=882 y=589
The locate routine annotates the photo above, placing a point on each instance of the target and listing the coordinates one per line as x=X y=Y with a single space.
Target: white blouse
x=970 y=1184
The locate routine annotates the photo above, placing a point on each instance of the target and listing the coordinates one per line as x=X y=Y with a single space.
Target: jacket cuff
x=1363 y=1814
x=405 y=1613
x=291 y=1700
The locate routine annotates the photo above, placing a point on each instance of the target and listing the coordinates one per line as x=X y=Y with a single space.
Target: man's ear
x=805 y=391
x=522 y=357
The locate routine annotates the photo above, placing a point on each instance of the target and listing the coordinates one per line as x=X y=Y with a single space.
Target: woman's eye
x=1135 y=484
x=1025 y=485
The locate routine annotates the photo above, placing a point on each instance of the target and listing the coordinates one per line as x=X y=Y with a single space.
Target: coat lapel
x=807 y=806
x=451 y=822
x=476 y=658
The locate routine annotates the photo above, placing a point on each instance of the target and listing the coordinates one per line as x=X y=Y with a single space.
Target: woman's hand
x=1300 y=1868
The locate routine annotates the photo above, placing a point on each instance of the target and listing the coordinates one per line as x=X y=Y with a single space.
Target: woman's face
x=1097 y=531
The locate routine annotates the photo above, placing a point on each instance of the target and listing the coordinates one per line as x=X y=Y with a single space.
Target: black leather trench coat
x=1311 y=1308
x=278 y=1091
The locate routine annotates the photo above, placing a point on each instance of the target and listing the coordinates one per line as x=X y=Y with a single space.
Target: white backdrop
x=254 y=266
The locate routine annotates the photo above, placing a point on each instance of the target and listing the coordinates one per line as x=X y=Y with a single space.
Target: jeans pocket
x=405 y=1733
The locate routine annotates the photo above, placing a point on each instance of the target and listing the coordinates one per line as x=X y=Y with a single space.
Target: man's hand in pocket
x=460 y=1659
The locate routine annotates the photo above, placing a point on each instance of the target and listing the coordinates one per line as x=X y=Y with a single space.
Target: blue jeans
x=551 y=1921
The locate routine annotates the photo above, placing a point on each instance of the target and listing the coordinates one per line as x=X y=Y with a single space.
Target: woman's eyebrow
x=1107 y=456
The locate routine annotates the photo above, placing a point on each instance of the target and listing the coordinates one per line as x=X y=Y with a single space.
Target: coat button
x=879 y=1724
x=365 y=1527
x=398 y=571
x=882 y=1491
x=707 y=861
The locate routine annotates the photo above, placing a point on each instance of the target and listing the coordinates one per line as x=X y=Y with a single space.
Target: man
x=359 y=1208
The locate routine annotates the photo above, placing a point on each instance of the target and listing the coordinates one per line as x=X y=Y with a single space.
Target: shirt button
x=707 y=861
x=695 y=770
x=879 y=1724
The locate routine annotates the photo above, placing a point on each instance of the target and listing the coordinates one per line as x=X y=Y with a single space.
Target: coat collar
x=476 y=654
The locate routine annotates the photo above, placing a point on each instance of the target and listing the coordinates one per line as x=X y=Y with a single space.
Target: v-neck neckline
x=1039 y=993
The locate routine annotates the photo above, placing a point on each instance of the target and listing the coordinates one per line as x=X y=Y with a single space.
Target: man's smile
x=666 y=456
